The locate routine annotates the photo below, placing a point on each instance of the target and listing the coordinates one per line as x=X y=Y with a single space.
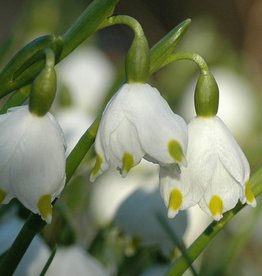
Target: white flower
x=32 y=164
x=217 y=173
x=138 y=123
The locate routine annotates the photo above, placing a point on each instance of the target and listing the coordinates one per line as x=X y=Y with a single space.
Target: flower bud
x=206 y=95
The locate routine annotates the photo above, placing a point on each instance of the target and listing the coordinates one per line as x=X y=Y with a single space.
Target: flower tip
x=216 y=207
x=252 y=203
x=217 y=217
x=45 y=208
x=92 y=177
x=127 y=164
x=250 y=198
x=175 y=202
x=176 y=151
x=48 y=219
x=171 y=213
x=97 y=168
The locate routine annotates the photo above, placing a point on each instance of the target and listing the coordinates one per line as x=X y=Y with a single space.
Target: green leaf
x=27 y=63
x=16 y=99
x=166 y=46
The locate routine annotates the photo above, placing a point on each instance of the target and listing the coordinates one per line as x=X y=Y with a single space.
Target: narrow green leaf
x=16 y=99
x=25 y=65
x=167 y=45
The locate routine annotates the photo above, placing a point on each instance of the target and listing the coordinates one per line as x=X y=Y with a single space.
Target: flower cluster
x=199 y=164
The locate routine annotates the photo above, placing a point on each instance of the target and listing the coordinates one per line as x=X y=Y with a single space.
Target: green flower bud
x=43 y=88
x=138 y=61
x=206 y=95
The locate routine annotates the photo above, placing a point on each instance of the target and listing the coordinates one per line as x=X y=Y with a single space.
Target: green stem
x=126 y=20
x=181 y=265
x=200 y=62
x=137 y=59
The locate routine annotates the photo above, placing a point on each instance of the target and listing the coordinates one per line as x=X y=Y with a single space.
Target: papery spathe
x=32 y=164
x=139 y=123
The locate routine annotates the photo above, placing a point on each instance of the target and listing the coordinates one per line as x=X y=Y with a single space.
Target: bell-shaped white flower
x=32 y=164
x=217 y=173
x=138 y=123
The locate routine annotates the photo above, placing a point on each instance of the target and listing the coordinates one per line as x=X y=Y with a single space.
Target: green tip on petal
x=45 y=208
x=176 y=151
x=250 y=196
x=216 y=207
x=175 y=202
x=97 y=168
x=127 y=163
x=2 y=195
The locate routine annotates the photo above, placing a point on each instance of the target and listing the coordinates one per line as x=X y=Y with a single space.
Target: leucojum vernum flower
x=32 y=149
x=217 y=173
x=138 y=123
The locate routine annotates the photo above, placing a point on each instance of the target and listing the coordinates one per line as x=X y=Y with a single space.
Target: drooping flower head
x=32 y=165
x=138 y=123
x=218 y=172
x=32 y=149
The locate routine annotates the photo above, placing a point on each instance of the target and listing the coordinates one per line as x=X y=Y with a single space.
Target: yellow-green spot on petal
x=216 y=207
x=45 y=208
x=2 y=195
x=127 y=163
x=175 y=199
x=249 y=195
x=97 y=166
x=175 y=150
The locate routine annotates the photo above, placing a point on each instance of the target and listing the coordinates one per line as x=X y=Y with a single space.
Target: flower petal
x=155 y=122
x=230 y=152
x=224 y=186
x=37 y=166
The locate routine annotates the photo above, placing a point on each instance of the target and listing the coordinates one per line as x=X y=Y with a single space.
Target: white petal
x=230 y=152
x=12 y=130
x=224 y=186
x=37 y=166
x=155 y=122
x=125 y=140
x=170 y=180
